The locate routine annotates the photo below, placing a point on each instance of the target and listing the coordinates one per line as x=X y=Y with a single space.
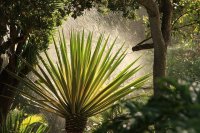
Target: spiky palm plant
x=76 y=86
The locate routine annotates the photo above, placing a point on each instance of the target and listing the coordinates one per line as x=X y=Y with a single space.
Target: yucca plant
x=76 y=87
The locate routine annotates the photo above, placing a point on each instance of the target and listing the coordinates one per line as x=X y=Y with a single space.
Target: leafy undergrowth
x=19 y=122
x=175 y=110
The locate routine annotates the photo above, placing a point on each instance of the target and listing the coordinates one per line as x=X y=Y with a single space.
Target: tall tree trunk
x=161 y=35
x=166 y=9
x=159 y=65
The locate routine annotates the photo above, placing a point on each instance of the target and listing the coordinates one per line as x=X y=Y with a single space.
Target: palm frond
x=77 y=82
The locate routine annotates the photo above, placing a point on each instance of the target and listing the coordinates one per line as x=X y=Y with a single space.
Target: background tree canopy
x=25 y=29
x=164 y=18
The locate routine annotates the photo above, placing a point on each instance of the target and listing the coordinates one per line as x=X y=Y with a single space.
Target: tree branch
x=143 y=46
x=176 y=20
x=190 y=24
x=140 y=46
x=166 y=8
x=144 y=41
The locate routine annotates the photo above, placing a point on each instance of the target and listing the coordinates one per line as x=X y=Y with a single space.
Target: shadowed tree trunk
x=161 y=35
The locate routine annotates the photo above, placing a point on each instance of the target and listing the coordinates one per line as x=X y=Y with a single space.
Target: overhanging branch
x=186 y=25
x=143 y=47
x=177 y=19
x=144 y=41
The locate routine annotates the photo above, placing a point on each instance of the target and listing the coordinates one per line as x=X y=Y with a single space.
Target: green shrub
x=19 y=122
x=176 y=110
x=183 y=62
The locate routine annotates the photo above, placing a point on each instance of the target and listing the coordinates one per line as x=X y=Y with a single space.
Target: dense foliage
x=186 y=22
x=28 y=20
x=185 y=12
x=176 y=110
x=20 y=122
x=25 y=28
x=76 y=87
x=183 y=61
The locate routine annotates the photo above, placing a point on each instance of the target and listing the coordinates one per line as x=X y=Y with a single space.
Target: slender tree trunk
x=160 y=51
x=166 y=9
x=159 y=65
x=161 y=35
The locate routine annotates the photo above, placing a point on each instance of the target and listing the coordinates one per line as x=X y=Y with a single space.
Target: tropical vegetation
x=183 y=61
x=75 y=87
x=175 y=111
x=25 y=30
x=18 y=121
x=84 y=79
